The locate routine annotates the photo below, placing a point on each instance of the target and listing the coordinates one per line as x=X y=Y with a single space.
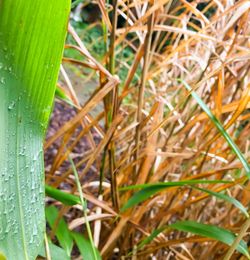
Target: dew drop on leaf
x=11 y=105
x=2 y=80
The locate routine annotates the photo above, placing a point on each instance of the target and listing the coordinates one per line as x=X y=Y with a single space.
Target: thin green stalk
x=84 y=206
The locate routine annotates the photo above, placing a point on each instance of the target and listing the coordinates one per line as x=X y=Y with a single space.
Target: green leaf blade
x=220 y=234
x=62 y=232
x=220 y=128
x=85 y=247
x=56 y=253
x=231 y=200
x=65 y=198
x=32 y=34
x=148 y=190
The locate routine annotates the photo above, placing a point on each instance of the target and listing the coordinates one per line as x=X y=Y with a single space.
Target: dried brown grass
x=161 y=134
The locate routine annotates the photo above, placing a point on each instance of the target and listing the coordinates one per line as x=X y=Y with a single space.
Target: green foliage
x=211 y=231
x=66 y=237
x=164 y=140
x=219 y=234
x=224 y=197
x=220 y=128
x=147 y=190
x=56 y=252
x=32 y=35
x=85 y=247
x=65 y=198
x=62 y=232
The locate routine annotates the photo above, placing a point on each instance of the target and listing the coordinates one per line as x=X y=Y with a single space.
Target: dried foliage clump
x=136 y=123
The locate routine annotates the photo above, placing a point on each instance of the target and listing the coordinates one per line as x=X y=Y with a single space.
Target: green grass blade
x=151 y=237
x=84 y=208
x=225 y=197
x=148 y=190
x=62 y=232
x=57 y=253
x=172 y=184
x=66 y=198
x=210 y=231
x=85 y=247
x=61 y=95
x=220 y=234
x=220 y=128
x=32 y=35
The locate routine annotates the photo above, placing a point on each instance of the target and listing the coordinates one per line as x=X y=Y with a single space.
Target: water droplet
x=2 y=80
x=11 y=105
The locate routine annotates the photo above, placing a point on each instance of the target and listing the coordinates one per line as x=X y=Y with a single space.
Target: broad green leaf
x=65 y=198
x=32 y=35
x=220 y=234
x=62 y=232
x=85 y=247
x=220 y=128
x=225 y=197
x=56 y=253
x=148 y=190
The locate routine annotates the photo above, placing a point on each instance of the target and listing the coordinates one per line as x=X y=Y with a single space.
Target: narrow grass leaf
x=60 y=94
x=57 y=253
x=172 y=184
x=151 y=237
x=220 y=234
x=225 y=197
x=85 y=247
x=62 y=232
x=220 y=128
x=147 y=190
x=64 y=197
x=84 y=208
